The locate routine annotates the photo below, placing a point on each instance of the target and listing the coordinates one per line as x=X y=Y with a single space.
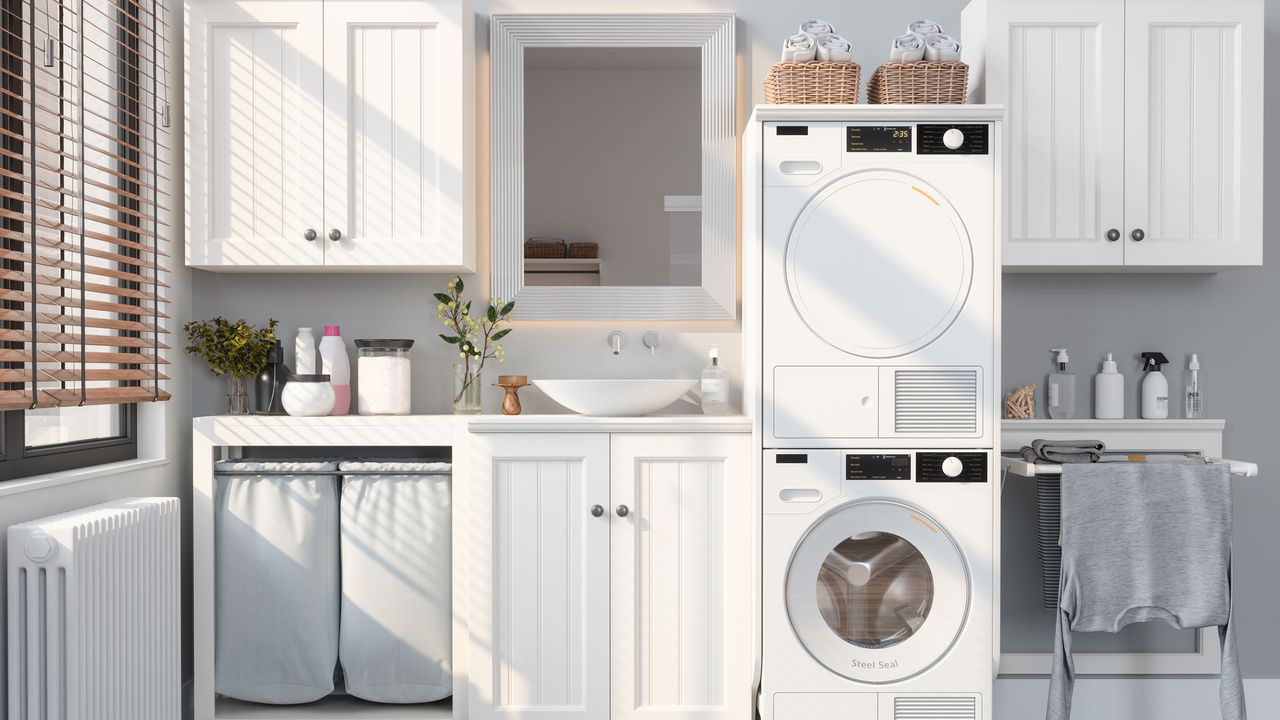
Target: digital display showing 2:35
x=878 y=138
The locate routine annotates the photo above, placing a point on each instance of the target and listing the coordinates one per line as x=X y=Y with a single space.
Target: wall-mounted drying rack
x=1199 y=438
x=1016 y=465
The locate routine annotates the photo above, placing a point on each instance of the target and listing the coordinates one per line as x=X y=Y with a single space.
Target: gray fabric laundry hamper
x=276 y=598
x=396 y=636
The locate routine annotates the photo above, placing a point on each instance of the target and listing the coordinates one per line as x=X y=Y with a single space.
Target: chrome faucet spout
x=617 y=341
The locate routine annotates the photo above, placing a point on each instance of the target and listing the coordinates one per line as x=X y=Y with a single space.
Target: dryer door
x=877 y=591
x=879 y=264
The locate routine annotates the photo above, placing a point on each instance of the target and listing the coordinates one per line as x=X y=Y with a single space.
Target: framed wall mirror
x=614 y=166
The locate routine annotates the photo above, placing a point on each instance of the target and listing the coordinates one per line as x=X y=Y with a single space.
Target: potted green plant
x=476 y=337
x=237 y=350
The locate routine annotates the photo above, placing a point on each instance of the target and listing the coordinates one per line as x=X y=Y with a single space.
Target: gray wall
x=1225 y=317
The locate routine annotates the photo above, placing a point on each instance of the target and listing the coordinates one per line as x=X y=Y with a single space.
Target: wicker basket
x=544 y=249
x=812 y=83
x=917 y=83
x=584 y=250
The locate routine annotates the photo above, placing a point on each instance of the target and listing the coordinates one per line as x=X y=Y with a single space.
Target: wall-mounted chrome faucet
x=617 y=341
x=652 y=340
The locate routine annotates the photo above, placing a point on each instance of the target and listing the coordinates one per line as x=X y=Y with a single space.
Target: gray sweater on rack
x=1145 y=542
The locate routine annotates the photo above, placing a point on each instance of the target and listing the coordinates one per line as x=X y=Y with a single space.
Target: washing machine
x=878 y=584
x=880 y=273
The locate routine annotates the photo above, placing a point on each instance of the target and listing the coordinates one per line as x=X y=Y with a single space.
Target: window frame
x=17 y=460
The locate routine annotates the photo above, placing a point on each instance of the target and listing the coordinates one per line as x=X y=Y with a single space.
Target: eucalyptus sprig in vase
x=235 y=349
x=476 y=336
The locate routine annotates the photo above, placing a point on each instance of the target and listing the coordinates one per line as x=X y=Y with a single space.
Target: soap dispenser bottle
x=1108 y=392
x=715 y=386
x=1193 y=398
x=1155 y=388
x=1062 y=389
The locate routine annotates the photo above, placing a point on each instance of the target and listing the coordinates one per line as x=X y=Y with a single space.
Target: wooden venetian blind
x=82 y=251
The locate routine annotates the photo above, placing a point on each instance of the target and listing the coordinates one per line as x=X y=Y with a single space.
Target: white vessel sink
x=615 y=398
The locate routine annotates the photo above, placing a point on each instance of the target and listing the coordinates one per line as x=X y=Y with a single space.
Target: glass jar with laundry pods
x=383 y=377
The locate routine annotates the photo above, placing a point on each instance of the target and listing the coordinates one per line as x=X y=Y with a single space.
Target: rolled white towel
x=924 y=27
x=818 y=27
x=907 y=48
x=833 y=48
x=799 y=48
x=941 y=48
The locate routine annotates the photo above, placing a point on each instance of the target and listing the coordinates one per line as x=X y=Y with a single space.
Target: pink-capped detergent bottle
x=335 y=363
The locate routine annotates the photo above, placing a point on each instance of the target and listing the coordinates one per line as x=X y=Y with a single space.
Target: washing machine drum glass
x=877 y=591
x=879 y=263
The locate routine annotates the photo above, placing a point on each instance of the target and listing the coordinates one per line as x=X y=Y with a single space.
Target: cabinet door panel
x=1055 y=67
x=681 y=577
x=395 y=150
x=1193 y=124
x=540 y=593
x=254 y=131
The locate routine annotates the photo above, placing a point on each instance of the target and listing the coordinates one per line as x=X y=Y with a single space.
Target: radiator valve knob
x=40 y=548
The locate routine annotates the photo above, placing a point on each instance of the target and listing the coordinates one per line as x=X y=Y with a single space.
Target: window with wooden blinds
x=83 y=125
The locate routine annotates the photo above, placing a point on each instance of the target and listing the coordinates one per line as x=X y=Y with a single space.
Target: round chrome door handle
x=1113 y=235
x=1137 y=235
x=597 y=510
x=623 y=511
x=310 y=235
x=335 y=234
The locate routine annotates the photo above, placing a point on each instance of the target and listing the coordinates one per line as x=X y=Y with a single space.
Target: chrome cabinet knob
x=310 y=234
x=1113 y=235
x=623 y=511
x=597 y=510
x=1137 y=235
x=335 y=234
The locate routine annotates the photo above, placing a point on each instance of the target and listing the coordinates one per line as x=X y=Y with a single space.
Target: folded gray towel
x=1063 y=451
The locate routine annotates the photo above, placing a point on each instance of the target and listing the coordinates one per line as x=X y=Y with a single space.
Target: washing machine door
x=877 y=591
x=879 y=263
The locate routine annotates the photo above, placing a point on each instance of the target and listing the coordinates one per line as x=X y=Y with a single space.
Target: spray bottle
x=1193 y=397
x=1062 y=389
x=1155 y=388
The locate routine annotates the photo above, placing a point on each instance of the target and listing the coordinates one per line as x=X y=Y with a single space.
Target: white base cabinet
x=610 y=577
x=1134 y=130
x=330 y=135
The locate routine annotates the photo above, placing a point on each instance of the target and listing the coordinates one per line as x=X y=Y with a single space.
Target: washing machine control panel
x=878 y=138
x=943 y=467
x=969 y=139
x=877 y=467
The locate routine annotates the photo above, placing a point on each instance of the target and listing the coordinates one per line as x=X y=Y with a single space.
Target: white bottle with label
x=1155 y=388
x=715 y=386
x=1108 y=392
x=335 y=363
x=304 y=352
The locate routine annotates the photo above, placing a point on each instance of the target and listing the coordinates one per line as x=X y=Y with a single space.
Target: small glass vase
x=237 y=396
x=466 y=389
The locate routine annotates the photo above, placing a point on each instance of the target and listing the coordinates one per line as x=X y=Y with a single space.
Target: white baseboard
x=1134 y=698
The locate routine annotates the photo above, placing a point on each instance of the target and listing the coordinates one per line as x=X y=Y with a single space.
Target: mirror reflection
x=613 y=166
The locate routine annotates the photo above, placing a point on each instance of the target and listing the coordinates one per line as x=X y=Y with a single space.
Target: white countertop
x=434 y=430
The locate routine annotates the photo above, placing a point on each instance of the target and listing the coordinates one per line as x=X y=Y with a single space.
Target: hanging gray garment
x=1145 y=542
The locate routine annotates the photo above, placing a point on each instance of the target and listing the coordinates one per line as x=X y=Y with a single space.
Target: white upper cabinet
x=1132 y=130
x=330 y=134
x=255 y=79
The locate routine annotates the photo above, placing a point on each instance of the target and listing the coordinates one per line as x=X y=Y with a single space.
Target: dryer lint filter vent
x=936 y=402
x=920 y=707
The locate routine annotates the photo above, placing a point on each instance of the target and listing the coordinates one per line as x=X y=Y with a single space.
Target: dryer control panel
x=946 y=467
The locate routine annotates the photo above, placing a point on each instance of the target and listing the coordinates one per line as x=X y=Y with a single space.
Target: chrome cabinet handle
x=597 y=510
x=1113 y=235
x=623 y=511
x=1137 y=235
x=335 y=234
x=310 y=235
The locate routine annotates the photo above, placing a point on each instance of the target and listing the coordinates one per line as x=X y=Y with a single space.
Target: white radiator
x=94 y=613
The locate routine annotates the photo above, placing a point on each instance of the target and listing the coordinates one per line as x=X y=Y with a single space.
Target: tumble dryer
x=880 y=277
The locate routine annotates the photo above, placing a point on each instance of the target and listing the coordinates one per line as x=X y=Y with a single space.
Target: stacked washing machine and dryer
x=880 y=324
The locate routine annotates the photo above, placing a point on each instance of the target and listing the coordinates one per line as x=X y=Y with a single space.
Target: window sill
x=68 y=477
